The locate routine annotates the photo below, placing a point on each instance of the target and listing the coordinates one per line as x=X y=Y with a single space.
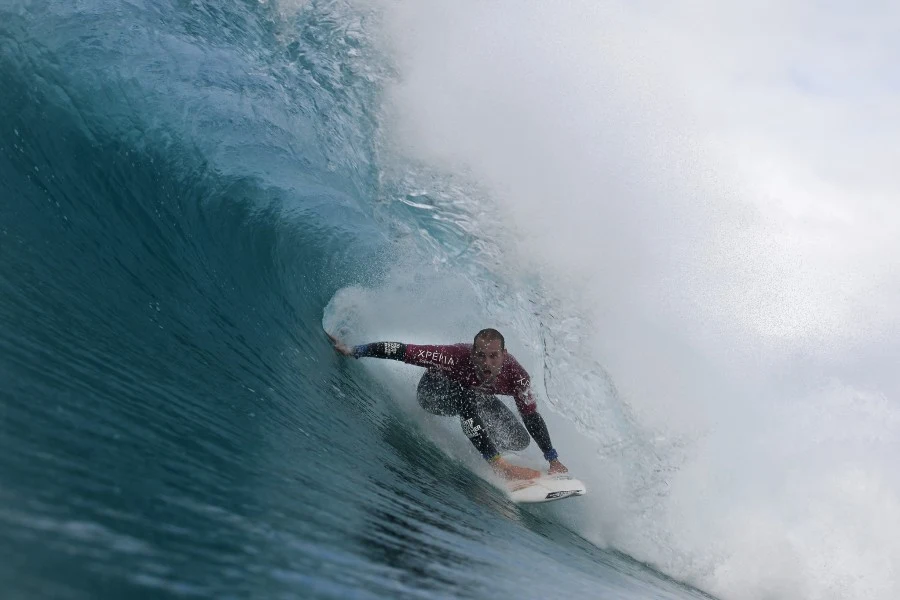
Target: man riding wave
x=461 y=380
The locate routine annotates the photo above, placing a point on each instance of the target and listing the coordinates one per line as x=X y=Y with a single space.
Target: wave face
x=185 y=188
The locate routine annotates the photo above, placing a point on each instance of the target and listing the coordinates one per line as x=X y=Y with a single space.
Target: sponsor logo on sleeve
x=524 y=388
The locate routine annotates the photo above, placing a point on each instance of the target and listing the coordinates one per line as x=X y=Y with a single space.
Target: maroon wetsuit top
x=454 y=362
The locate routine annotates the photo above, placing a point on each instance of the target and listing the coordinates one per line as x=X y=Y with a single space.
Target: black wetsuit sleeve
x=392 y=350
x=536 y=426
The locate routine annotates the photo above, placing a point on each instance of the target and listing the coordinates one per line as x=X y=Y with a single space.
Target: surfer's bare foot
x=513 y=472
x=557 y=467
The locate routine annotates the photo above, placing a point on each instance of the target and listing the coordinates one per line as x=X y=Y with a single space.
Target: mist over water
x=733 y=271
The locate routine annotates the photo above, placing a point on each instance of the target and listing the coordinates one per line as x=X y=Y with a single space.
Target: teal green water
x=185 y=185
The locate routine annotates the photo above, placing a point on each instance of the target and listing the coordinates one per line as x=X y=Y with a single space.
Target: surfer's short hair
x=489 y=335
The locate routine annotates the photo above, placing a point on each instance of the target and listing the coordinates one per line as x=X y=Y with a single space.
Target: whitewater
x=683 y=219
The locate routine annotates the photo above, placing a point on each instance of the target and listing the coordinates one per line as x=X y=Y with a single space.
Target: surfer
x=461 y=380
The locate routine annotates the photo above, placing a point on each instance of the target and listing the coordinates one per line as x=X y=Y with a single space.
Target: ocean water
x=191 y=192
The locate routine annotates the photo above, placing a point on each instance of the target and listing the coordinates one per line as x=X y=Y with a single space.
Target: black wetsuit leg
x=439 y=395
x=503 y=426
x=442 y=396
x=485 y=420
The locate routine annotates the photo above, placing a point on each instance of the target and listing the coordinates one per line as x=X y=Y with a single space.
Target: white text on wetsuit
x=436 y=357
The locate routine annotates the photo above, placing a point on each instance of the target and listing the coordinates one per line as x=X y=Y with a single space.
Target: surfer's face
x=488 y=357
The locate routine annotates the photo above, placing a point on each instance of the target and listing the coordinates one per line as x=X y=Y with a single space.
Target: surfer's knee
x=520 y=439
x=437 y=395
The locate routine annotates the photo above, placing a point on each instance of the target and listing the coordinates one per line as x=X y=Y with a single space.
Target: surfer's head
x=488 y=354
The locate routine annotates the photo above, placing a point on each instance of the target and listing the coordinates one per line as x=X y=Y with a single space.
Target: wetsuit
x=451 y=386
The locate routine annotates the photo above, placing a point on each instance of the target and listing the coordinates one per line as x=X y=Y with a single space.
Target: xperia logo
x=435 y=357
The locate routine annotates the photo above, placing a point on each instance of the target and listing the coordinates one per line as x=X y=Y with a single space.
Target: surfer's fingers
x=339 y=346
x=336 y=342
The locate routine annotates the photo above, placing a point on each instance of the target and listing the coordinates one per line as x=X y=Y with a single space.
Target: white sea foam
x=699 y=200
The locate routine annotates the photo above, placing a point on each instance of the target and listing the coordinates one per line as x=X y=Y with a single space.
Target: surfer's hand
x=339 y=346
x=557 y=467
x=513 y=472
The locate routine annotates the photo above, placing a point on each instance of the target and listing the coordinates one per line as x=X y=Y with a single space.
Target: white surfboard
x=545 y=489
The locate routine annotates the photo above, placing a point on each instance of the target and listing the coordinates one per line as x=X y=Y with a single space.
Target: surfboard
x=545 y=489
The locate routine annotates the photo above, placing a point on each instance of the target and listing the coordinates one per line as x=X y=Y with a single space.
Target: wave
x=191 y=191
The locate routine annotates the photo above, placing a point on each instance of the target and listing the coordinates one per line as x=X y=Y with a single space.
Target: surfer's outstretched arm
x=446 y=356
x=394 y=350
